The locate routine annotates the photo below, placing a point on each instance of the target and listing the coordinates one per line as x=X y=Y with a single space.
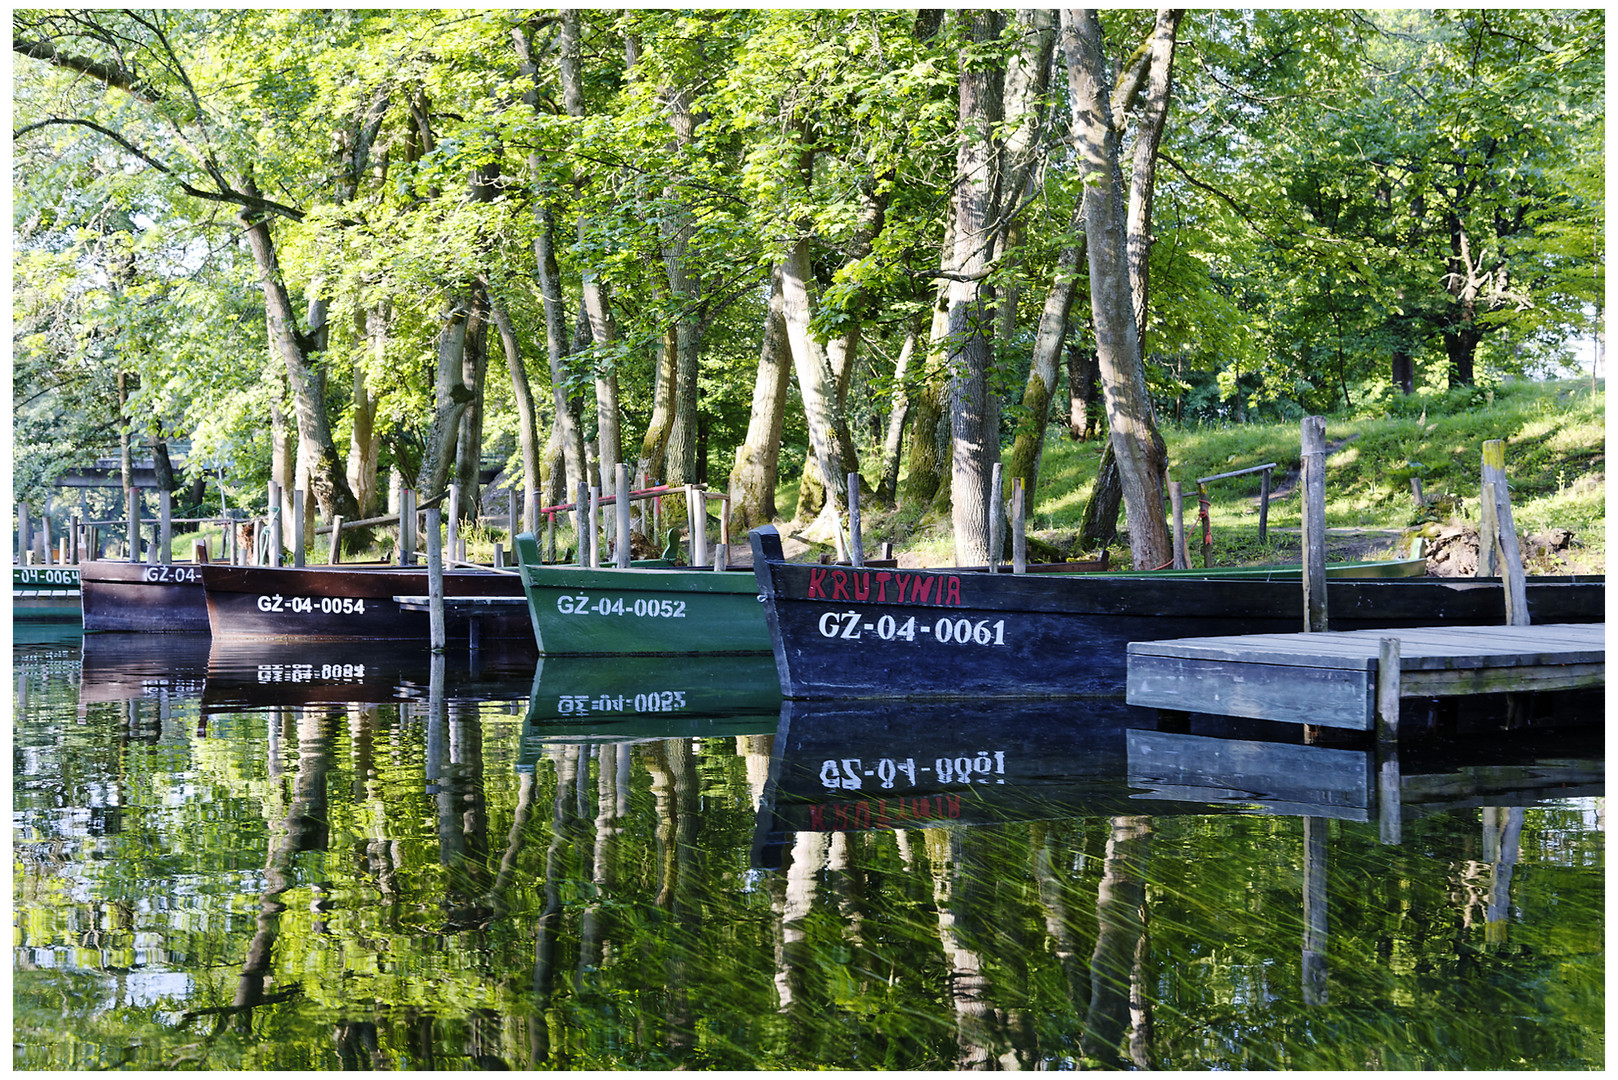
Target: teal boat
x=46 y=594
x=645 y=611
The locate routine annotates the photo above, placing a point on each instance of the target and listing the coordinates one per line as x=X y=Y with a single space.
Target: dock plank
x=1330 y=678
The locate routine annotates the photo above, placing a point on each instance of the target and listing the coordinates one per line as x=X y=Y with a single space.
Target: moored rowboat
x=838 y=632
x=583 y=611
x=45 y=593
x=349 y=603
x=142 y=597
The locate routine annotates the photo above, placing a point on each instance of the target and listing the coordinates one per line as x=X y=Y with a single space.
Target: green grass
x=1555 y=435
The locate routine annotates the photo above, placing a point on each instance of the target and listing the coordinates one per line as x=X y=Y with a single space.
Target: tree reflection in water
x=414 y=906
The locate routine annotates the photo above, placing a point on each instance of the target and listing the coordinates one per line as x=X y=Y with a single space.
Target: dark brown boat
x=356 y=603
x=130 y=596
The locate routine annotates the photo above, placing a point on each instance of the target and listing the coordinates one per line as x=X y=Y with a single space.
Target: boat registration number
x=946 y=629
x=640 y=607
x=326 y=605
x=171 y=573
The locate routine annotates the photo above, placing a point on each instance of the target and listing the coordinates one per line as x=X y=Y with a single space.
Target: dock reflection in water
x=286 y=863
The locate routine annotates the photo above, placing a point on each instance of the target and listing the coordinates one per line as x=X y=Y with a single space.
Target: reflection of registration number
x=850 y=774
x=946 y=630
x=653 y=701
x=640 y=607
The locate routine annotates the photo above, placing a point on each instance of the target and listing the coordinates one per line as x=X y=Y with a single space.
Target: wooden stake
x=621 y=552
x=1177 y=502
x=856 y=543
x=335 y=554
x=1314 y=523
x=1508 y=555
x=1494 y=472
x=435 y=582
x=297 y=527
x=995 y=515
x=1019 y=529
x=595 y=528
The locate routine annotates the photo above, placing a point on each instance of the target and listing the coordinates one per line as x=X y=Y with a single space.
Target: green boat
x=45 y=594
x=581 y=611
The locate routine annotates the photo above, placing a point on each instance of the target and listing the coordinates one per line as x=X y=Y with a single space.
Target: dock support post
x=334 y=554
x=1182 y=558
x=1500 y=539
x=1314 y=523
x=621 y=508
x=1019 y=528
x=996 y=519
x=1387 y=692
x=435 y=582
x=1205 y=523
x=856 y=543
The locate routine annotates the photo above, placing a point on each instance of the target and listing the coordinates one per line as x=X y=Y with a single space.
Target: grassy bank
x=1555 y=435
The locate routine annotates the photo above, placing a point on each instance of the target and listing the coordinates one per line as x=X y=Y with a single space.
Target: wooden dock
x=1350 y=679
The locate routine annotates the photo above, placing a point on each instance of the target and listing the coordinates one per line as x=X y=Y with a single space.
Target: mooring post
x=435 y=582
x=334 y=554
x=1314 y=523
x=73 y=547
x=1182 y=560
x=581 y=512
x=996 y=518
x=407 y=527
x=513 y=505
x=132 y=512
x=1019 y=529
x=1501 y=540
x=1264 y=506
x=23 y=540
x=1388 y=805
x=856 y=543
x=722 y=551
x=621 y=552
x=453 y=517
x=550 y=537
x=595 y=528
x=297 y=527
x=1205 y=523
x=1494 y=472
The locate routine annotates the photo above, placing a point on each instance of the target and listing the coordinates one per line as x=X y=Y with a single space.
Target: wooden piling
x=1314 y=523
x=581 y=514
x=132 y=508
x=435 y=582
x=1264 y=506
x=1019 y=529
x=297 y=527
x=621 y=554
x=856 y=543
x=453 y=517
x=595 y=528
x=996 y=515
x=407 y=526
x=1494 y=472
x=1182 y=559
x=722 y=552
x=24 y=540
x=334 y=555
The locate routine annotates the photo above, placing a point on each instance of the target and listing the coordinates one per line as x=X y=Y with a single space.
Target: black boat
x=841 y=632
x=142 y=597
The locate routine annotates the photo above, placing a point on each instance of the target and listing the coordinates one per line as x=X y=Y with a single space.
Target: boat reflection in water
x=660 y=864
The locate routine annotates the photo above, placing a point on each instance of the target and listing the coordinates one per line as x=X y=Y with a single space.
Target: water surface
x=252 y=858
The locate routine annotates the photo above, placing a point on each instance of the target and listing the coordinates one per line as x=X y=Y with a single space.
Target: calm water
x=338 y=859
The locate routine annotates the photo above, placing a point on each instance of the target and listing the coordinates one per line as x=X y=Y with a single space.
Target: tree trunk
x=328 y=482
x=469 y=439
x=1142 y=461
x=522 y=396
x=1029 y=445
x=829 y=438
x=654 y=448
x=680 y=455
x=974 y=409
x=1084 y=392
x=887 y=488
x=451 y=398
x=364 y=444
x=753 y=479
x=1151 y=115
x=570 y=430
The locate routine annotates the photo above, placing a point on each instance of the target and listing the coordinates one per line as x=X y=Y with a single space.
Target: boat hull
x=579 y=611
x=927 y=634
x=142 y=598
x=336 y=603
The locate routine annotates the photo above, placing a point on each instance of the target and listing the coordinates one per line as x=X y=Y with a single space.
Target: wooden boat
x=352 y=603
x=45 y=594
x=640 y=611
x=949 y=634
x=131 y=596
